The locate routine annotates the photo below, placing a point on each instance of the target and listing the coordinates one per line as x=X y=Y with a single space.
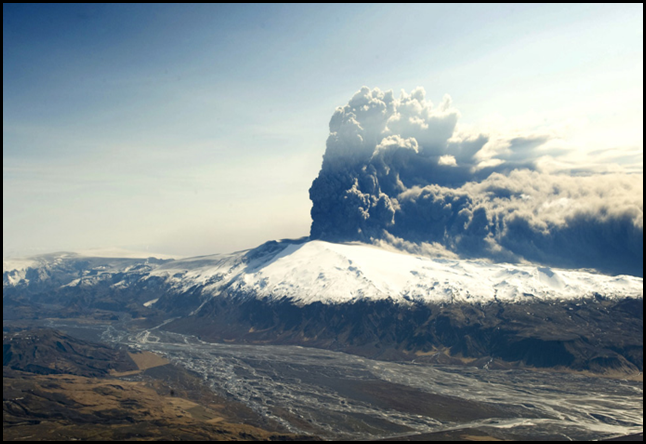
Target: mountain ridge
x=319 y=271
x=355 y=298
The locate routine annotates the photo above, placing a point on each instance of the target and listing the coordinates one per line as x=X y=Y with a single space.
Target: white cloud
x=447 y=160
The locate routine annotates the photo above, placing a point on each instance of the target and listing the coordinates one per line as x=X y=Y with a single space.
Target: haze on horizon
x=199 y=129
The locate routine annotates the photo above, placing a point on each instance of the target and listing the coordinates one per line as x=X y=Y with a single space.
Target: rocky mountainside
x=49 y=351
x=356 y=298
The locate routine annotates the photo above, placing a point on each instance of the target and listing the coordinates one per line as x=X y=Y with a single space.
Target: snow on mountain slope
x=67 y=268
x=15 y=270
x=318 y=271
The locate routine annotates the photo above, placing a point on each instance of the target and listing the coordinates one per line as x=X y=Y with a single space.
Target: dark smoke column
x=365 y=151
x=396 y=168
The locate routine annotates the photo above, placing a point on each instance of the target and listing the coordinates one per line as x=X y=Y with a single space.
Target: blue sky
x=199 y=129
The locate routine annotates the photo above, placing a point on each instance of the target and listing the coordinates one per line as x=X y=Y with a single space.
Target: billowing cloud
x=399 y=171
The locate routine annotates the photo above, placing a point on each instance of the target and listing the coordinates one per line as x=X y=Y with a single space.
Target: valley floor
x=332 y=395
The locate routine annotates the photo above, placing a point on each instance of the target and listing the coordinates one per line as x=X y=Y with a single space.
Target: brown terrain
x=59 y=388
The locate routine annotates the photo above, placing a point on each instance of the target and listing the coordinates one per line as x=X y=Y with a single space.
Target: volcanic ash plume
x=397 y=171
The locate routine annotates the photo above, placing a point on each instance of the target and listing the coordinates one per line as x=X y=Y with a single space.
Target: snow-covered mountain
x=330 y=273
x=72 y=268
x=354 y=297
x=318 y=271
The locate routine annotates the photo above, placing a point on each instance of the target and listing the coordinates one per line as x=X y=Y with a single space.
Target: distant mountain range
x=353 y=297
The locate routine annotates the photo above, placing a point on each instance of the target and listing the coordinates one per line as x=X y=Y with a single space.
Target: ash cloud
x=398 y=171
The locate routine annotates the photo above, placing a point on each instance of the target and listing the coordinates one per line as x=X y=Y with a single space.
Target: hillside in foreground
x=56 y=387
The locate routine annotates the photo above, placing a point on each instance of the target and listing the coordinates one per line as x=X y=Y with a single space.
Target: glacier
x=305 y=272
